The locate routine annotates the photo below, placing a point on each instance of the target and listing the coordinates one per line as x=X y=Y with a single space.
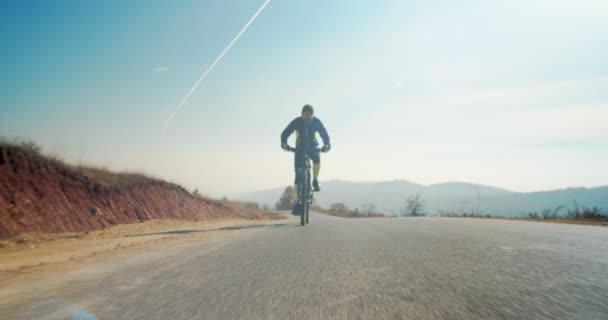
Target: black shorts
x=300 y=159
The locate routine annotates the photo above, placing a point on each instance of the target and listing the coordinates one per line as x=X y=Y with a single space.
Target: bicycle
x=303 y=182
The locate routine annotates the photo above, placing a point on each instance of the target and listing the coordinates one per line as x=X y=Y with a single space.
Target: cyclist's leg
x=316 y=168
x=316 y=163
x=296 y=164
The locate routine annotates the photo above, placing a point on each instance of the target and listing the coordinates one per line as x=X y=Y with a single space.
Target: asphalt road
x=390 y=268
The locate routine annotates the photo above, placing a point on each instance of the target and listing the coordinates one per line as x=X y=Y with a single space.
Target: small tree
x=286 y=200
x=196 y=193
x=413 y=207
x=369 y=209
x=556 y=211
x=574 y=213
x=339 y=208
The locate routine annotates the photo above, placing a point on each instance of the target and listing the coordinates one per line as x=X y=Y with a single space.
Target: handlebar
x=291 y=149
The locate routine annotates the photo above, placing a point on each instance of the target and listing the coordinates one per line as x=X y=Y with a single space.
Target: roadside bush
x=286 y=200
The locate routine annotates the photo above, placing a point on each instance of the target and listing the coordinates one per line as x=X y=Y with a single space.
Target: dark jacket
x=298 y=126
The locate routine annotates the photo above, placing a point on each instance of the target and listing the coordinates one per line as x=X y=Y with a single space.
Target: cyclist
x=306 y=145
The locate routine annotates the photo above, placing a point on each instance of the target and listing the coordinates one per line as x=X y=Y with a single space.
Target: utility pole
x=477 y=201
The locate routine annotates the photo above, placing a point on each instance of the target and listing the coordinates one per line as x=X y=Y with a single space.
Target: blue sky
x=507 y=93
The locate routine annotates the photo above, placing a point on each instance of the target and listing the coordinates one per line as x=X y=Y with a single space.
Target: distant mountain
x=463 y=189
x=389 y=197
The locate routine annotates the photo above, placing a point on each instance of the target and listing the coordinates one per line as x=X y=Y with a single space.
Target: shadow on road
x=177 y=232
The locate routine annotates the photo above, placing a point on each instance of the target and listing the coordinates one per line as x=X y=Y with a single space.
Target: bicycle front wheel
x=304 y=189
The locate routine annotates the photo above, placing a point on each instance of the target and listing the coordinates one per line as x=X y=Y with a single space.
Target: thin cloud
x=161 y=69
x=562 y=88
x=197 y=83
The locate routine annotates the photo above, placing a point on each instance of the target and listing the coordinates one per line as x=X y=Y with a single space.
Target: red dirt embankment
x=40 y=194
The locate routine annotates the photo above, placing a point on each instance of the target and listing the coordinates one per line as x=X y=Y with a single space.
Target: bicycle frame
x=303 y=179
x=303 y=182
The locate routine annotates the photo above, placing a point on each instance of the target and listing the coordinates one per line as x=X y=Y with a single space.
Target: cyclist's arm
x=287 y=132
x=323 y=133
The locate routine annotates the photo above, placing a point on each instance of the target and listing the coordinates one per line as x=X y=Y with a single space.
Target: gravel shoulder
x=35 y=256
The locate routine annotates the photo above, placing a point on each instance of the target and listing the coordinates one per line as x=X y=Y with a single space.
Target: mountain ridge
x=451 y=196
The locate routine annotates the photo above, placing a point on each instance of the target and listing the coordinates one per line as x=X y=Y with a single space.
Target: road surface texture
x=334 y=268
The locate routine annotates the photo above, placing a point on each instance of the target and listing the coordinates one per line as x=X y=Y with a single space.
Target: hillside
x=40 y=194
x=447 y=197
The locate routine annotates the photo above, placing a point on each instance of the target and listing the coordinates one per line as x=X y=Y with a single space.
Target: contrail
x=238 y=35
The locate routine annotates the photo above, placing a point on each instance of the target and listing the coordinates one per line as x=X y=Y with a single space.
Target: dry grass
x=105 y=177
x=25 y=145
x=100 y=175
x=108 y=178
x=346 y=213
x=597 y=221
